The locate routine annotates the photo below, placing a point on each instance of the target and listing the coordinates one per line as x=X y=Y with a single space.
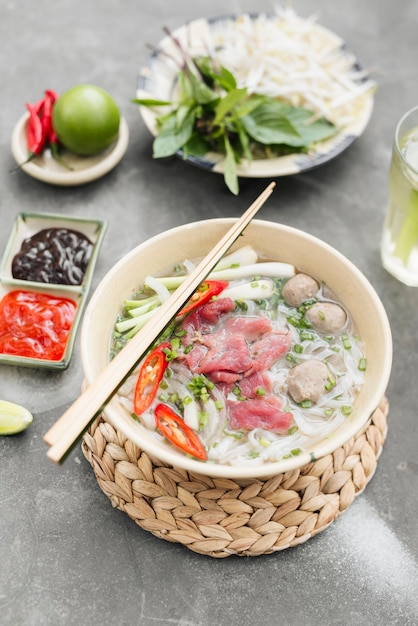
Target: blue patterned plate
x=158 y=78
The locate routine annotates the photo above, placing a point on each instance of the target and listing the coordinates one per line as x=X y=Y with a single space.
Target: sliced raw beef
x=211 y=311
x=226 y=352
x=271 y=347
x=251 y=328
x=250 y=385
x=238 y=350
x=262 y=412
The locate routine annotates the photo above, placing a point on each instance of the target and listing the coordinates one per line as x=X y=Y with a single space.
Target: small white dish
x=85 y=169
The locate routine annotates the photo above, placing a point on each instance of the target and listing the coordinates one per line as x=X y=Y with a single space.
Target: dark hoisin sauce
x=53 y=255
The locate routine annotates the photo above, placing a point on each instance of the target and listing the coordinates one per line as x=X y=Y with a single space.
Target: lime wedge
x=13 y=418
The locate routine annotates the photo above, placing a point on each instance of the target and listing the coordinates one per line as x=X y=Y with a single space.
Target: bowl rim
x=265 y=470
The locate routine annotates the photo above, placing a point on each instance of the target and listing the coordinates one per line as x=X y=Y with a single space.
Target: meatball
x=326 y=317
x=307 y=380
x=299 y=288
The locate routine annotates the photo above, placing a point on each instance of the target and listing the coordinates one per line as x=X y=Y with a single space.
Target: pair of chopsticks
x=62 y=436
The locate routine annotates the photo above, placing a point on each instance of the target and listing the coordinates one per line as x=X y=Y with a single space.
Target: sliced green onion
x=330 y=384
x=346 y=342
x=203 y=418
x=362 y=365
x=306 y=404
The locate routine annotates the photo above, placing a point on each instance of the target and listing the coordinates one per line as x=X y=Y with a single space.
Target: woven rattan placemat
x=219 y=517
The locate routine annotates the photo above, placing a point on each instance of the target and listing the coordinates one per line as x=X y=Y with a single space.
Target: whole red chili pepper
x=35 y=133
x=38 y=107
x=46 y=118
x=35 y=136
x=51 y=137
x=40 y=131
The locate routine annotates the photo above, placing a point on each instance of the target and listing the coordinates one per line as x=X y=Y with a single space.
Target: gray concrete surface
x=66 y=556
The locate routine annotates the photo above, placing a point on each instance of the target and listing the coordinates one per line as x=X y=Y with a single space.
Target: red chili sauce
x=53 y=255
x=35 y=325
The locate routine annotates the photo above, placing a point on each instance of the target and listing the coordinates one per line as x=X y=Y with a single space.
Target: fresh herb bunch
x=214 y=114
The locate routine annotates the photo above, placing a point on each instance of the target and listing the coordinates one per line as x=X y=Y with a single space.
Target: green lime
x=13 y=418
x=86 y=119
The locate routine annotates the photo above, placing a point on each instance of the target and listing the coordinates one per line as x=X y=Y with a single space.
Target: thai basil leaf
x=274 y=123
x=185 y=86
x=267 y=125
x=226 y=79
x=244 y=141
x=196 y=146
x=247 y=106
x=216 y=76
x=202 y=93
x=309 y=128
x=230 y=168
x=150 y=102
x=173 y=137
x=182 y=112
x=228 y=103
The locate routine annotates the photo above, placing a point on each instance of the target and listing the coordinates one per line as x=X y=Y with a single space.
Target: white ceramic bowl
x=271 y=240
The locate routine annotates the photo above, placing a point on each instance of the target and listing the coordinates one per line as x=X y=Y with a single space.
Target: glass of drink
x=399 y=247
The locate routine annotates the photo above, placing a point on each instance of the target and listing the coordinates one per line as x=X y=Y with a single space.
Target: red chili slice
x=178 y=433
x=204 y=293
x=149 y=377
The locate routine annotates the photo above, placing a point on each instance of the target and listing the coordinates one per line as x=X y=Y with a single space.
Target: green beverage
x=400 y=232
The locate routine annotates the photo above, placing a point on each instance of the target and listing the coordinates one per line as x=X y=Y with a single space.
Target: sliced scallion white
x=250 y=291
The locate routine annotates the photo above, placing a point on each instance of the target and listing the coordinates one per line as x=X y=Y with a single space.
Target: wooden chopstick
x=69 y=427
